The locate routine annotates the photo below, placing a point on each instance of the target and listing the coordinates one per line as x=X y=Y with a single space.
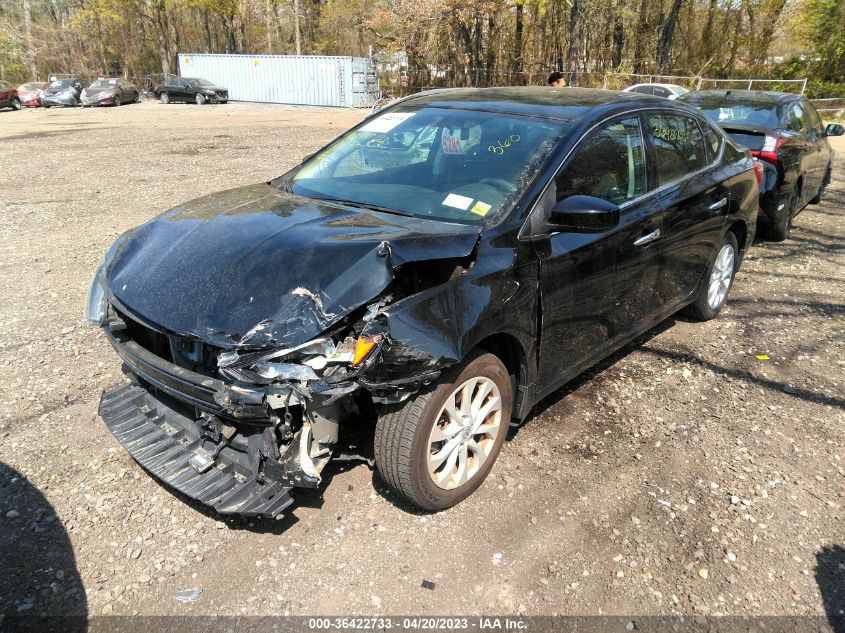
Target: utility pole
x=27 y=20
x=296 y=27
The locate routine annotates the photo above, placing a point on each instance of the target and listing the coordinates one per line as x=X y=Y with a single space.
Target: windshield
x=30 y=87
x=66 y=83
x=754 y=113
x=199 y=82
x=457 y=165
x=103 y=83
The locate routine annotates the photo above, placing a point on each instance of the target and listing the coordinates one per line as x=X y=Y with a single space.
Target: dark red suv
x=9 y=96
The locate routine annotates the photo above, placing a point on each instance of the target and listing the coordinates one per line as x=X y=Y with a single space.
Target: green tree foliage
x=473 y=42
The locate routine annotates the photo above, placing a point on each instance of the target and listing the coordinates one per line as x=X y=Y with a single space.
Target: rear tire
x=164 y=98
x=137 y=98
x=470 y=407
x=16 y=104
x=716 y=285
x=779 y=230
x=116 y=101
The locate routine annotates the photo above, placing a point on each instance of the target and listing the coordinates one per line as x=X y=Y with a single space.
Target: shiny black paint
x=224 y=269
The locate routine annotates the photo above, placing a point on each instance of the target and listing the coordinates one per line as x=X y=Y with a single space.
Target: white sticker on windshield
x=386 y=122
x=458 y=202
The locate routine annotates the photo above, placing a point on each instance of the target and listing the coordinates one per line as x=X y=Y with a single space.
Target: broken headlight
x=96 y=306
x=295 y=363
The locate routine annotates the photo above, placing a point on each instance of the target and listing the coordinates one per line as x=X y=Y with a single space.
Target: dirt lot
x=684 y=475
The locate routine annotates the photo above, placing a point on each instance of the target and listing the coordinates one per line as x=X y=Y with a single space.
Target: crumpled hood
x=255 y=267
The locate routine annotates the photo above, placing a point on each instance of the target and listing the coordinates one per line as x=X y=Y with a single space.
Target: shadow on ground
x=38 y=575
x=830 y=576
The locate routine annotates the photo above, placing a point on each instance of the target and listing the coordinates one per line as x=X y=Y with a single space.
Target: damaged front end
x=236 y=421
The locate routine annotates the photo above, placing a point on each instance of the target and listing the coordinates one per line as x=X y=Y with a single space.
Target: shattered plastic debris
x=497 y=558
x=761 y=357
x=188 y=595
x=427 y=584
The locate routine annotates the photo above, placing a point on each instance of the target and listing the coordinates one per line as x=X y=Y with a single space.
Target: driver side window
x=609 y=165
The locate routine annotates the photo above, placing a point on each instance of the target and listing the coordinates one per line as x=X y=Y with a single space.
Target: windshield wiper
x=364 y=205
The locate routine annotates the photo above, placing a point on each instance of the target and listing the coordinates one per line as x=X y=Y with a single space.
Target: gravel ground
x=688 y=474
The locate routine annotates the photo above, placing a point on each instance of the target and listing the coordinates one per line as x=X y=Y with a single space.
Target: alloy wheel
x=720 y=278
x=464 y=433
x=164 y=98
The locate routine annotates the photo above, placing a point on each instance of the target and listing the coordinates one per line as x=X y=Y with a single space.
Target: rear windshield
x=30 y=87
x=726 y=112
x=104 y=83
x=62 y=83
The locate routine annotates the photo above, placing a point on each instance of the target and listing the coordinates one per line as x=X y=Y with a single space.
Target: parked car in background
x=62 y=92
x=786 y=134
x=499 y=243
x=9 y=96
x=190 y=90
x=113 y=91
x=30 y=93
x=667 y=91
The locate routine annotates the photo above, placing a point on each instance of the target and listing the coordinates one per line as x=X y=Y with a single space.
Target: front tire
x=16 y=104
x=116 y=101
x=200 y=99
x=712 y=294
x=436 y=449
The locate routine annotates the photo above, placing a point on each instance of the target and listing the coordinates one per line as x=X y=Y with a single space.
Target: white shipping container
x=349 y=82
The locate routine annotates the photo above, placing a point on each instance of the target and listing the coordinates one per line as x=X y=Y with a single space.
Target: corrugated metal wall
x=349 y=82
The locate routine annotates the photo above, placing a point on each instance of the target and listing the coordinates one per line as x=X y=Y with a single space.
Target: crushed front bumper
x=166 y=442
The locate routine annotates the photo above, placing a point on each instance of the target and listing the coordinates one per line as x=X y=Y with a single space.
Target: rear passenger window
x=678 y=146
x=609 y=165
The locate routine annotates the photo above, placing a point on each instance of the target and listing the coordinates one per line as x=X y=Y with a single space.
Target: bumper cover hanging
x=163 y=441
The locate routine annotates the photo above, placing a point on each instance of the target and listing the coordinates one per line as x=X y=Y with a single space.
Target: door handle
x=718 y=205
x=646 y=239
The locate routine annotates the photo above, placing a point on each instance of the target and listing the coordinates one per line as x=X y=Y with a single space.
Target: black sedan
x=786 y=134
x=190 y=90
x=499 y=243
x=62 y=92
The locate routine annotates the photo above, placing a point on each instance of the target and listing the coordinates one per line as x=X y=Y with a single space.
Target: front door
x=596 y=287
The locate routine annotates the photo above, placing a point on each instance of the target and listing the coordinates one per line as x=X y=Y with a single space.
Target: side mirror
x=584 y=214
x=834 y=129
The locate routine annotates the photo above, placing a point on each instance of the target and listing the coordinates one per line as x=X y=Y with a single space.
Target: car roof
x=756 y=96
x=567 y=104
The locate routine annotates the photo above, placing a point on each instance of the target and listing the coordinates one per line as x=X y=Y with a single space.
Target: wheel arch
x=510 y=351
x=740 y=231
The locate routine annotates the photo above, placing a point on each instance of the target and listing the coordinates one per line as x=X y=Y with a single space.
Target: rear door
x=822 y=146
x=799 y=151
x=693 y=191
x=596 y=288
